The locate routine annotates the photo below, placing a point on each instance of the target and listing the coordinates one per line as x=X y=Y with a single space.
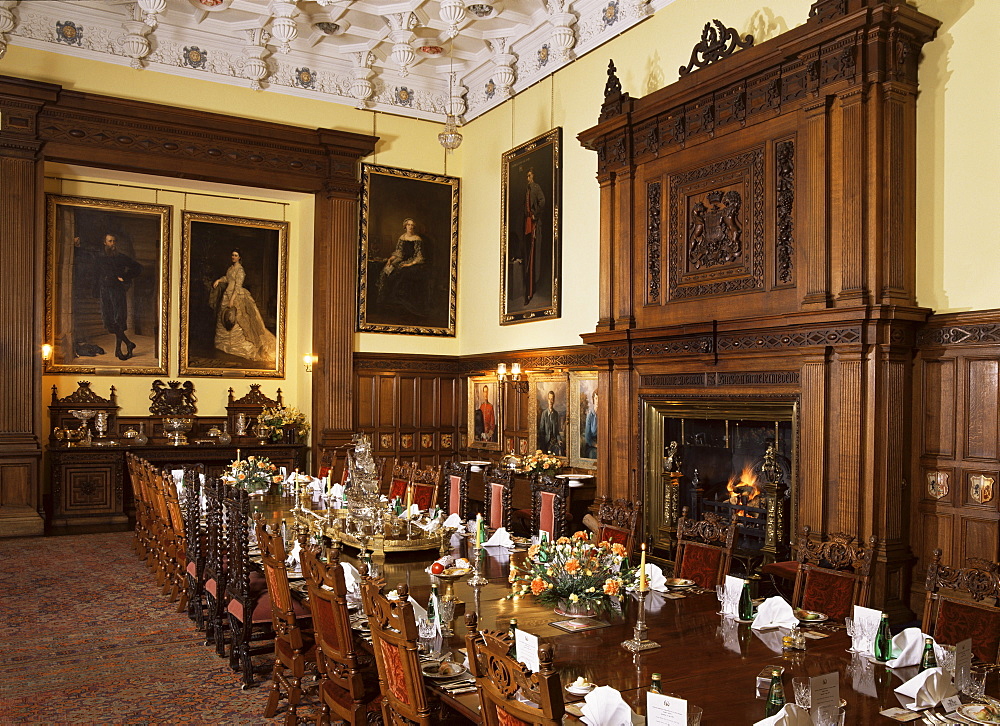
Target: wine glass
x=803 y=691
x=446 y=608
x=854 y=633
x=828 y=716
x=720 y=593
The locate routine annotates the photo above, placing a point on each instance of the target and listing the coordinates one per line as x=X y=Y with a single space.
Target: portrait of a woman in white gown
x=239 y=327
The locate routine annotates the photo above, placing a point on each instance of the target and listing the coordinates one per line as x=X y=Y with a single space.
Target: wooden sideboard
x=91 y=490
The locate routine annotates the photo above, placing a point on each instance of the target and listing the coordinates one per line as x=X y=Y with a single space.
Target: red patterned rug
x=86 y=637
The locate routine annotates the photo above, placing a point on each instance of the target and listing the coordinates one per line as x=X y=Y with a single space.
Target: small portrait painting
x=484 y=412
x=584 y=413
x=548 y=404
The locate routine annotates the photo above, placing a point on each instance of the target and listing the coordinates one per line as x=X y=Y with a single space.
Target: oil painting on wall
x=548 y=414
x=583 y=413
x=485 y=422
x=107 y=286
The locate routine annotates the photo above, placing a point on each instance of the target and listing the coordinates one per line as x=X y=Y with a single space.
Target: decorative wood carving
x=784 y=152
x=717 y=42
x=653 y=241
x=173 y=399
x=615 y=102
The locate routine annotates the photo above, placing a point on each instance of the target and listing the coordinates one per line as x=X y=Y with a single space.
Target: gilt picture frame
x=408 y=271
x=107 y=286
x=530 y=235
x=548 y=429
x=484 y=404
x=584 y=406
x=234 y=273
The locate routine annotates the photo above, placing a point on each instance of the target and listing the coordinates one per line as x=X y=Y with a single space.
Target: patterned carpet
x=86 y=637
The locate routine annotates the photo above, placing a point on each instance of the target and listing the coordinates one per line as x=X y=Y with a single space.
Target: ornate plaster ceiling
x=418 y=58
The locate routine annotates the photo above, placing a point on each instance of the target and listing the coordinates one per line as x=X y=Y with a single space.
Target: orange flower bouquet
x=255 y=474
x=575 y=574
x=540 y=462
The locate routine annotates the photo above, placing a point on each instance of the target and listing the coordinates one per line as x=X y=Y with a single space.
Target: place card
x=951 y=703
x=663 y=710
x=825 y=690
x=866 y=620
x=963 y=661
x=900 y=714
x=526 y=649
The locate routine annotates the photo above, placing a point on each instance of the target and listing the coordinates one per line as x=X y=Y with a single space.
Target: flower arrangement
x=540 y=462
x=255 y=474
x=574 y=571
x=272 y=420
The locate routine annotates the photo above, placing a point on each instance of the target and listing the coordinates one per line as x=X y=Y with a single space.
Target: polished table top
x=709 y=660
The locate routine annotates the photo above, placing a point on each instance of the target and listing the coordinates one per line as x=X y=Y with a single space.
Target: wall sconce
x=309 y=359
x=513 y=379
x=46 y=352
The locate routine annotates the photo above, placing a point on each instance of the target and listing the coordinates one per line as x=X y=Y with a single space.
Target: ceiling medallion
x=431 y=49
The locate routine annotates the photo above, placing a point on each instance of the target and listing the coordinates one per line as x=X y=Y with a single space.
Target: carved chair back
x=394 y=640
x=497 y=502
x=969 y=607
x=194 y=534
x=549 y=503
x=617 y=520
x=456 y=489
x=704 y=548
x=399 y=479
x=834 y=574
x=424 y=483
x=342 y=686
x=500 y=678
x=216 y=557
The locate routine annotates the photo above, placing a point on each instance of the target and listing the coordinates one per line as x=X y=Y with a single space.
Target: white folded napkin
x=908 y=649
x=351 y=575
x=604 y=706
x=789 y=715
x=500 y=538
x=337 y=491
x=926 y=689
x=454 y=522
x=292 y=558
x=655 y=579
x=774 y=612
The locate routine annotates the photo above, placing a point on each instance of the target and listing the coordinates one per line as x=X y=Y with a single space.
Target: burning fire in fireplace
x=743 y=489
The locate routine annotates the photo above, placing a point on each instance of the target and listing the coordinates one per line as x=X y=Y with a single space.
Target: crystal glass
x=946 y=659
x=694 y=715
x=720 y=593
x=803 y=694
x=975 y=685
x=829 y=716
x=447 y=610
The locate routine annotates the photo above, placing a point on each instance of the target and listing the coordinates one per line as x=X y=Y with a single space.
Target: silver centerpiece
x=101 y=426
x=176 y=428
x=83 y=416
x=362 y=493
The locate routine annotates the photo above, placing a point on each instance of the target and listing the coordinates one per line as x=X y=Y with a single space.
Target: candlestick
x=477 y=580
x=479 y=533
x=639 y=641
x=642 y=569
x=237 y=455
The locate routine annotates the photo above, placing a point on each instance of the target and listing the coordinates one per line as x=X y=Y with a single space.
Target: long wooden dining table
x=710 y=660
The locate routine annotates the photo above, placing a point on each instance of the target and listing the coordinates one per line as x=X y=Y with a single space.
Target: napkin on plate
x=337 y=492
x=926 y=689
x=454 y=522
x=500 y=538
x=351 y=575
x=604 y=707
x=774 y=613
x=789 y=715
x=908 y=648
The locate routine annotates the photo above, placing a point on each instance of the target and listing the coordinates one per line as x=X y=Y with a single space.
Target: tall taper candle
x=642 y=569
x=479 y=531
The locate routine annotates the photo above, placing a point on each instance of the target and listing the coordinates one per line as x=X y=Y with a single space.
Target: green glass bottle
x=657 y=685
x=927 y=660
x=745 y=610
x=432 y=604
x=883 y=641
x=775 y=695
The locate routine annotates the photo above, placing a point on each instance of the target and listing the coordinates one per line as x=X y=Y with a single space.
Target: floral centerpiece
x=255 y=474
x=274 y=421
x=540 y=462
x=574 y=574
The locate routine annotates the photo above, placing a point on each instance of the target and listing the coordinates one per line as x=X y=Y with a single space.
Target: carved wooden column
x=22 y=248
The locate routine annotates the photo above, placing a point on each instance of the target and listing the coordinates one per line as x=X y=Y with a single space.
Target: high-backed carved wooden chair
x=968 y=607
x=456 y=489
x=194 y=569
x=294 y=647
x=399 y=479
x=500 y=679
x=394 y=640
x=216 y=573
x=143 y=507
x=424 y=484
x=833 y=575
x=172 y=539
x=248 y=609
x=704 y=549
x=617 y=522
x=347 y=691
x=549 y=505
x=499 y=488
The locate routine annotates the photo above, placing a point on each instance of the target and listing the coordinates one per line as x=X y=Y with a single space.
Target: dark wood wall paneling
x=43 y=122
x=810 y=137
x=958 y=436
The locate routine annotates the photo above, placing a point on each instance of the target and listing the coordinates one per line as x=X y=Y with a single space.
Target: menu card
x=866 y=620
x=963 y=662
x=825 y=691
x=663 y=710
x=526 y=649
x=734 y=586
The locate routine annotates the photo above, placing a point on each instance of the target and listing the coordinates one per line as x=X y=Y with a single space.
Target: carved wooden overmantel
x=42 y=122
x=757 y=240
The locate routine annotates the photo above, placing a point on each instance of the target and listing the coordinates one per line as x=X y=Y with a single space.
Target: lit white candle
x=479 y=531
x=642 y=569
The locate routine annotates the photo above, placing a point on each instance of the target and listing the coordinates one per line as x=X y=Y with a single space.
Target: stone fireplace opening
x=735 y=458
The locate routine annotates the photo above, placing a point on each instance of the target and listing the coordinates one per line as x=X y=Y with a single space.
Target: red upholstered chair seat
x=957 y=621
x=397 y=489
x=701 y=564
x=613 y=535
x=829 y=592
x=505 y=719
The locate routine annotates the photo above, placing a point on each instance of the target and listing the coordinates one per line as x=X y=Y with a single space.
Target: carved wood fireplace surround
x=757 y=242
